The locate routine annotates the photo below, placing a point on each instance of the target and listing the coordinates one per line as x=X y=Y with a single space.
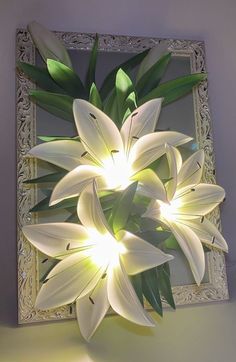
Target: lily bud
x=48 y=45
x=151 y=58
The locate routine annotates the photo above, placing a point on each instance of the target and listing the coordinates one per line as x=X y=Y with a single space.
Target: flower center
x=106 y=250
x=117 y=171
x=170 y=211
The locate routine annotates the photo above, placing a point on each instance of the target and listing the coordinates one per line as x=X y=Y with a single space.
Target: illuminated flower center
x=117 y=171
x=106 y=250
x=170 y=211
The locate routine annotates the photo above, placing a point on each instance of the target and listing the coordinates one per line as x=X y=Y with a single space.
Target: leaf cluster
x=118 y=95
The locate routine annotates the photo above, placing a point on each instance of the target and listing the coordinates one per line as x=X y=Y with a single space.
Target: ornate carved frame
x=28 y=281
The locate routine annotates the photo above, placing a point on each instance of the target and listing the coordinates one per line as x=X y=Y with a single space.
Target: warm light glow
x=106 y=250
x=170 y=211
x=117 y=171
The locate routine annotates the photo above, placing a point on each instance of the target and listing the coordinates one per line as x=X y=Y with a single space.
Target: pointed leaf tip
x=91 y=72
x=122 y=207
x=58 y=104
x=94 y=97
x=174 y=89
x=66 y=78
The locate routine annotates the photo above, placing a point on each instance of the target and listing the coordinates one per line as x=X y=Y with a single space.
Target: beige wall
x=200 y=333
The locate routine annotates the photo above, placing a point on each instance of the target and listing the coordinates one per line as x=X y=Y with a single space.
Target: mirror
x=189 y=115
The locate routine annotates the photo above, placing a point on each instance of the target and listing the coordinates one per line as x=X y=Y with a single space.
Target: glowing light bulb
x=106 y=250
x=170 y=211
x=117 y=171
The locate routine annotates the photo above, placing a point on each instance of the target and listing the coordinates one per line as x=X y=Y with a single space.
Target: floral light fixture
x=94 y=265
x=188 y=201
x=115 y=159
x=109 y=180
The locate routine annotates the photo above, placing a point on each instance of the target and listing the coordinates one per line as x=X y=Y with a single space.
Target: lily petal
x=199 y=200
x=65 y=154
x=175 y=162
x=140 y=255
x=123 y=298
x=92 y=308
x=56 y=239
x=150 y=185
x=191 y=171
x=142 y=121
x=207 y=233
x=153 y=210
x=73 y=183
x=152 y=146
x=90 y=211
x=192 y=248
x=97 y=131
x=73 y=277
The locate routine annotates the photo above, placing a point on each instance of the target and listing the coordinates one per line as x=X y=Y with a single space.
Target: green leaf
x=46 y=192
x=132 y=225
x=127 y=66
x=118 y=102
x=57 y=138
x=136 y=281
x=151 y=291
x=166 y=267
x=53 y=263
x=127 y=114
x=66 y=78
x=43 y=205
x=52 y=177
x=90 y=77
x=108 y=202
x=174 y=89
x=154 y=237
x=48 y=45
x=172 y=243
x=154 y=165
x=108 y=199
x=138 y=210
x=141 y=199
x=147 y=224
x=131 y=101
x=122 y=207
x=153 y=76
x=110 y=106
x=94 y=96
x=165 y=285
x=57 y=104
x=124 y=87
x=161 y=235
x=40 y=76
x=130 y=105
x=73 y=218
x=108 y=194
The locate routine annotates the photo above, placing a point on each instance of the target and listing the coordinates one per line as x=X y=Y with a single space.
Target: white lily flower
x=114 y=158
x=188 y=203
x=94 y=265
